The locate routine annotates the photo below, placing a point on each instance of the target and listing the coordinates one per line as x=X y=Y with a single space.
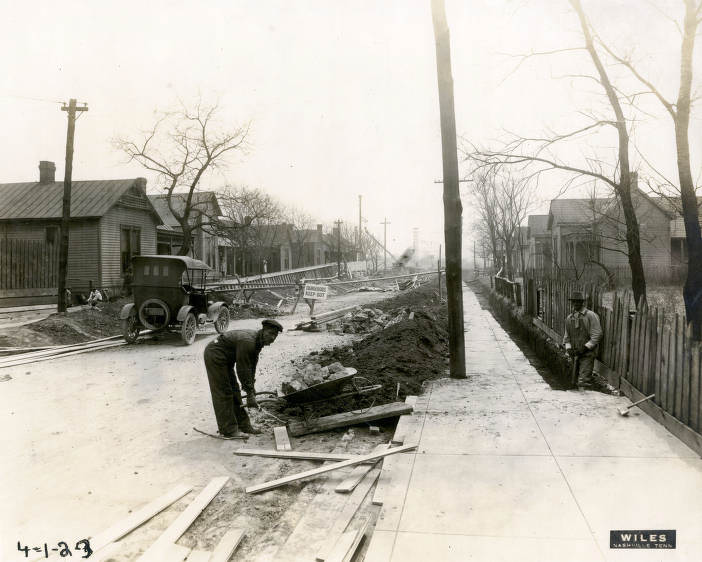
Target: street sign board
x=315 y=292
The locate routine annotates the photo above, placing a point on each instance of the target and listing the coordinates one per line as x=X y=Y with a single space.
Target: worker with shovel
x=240 y=348
x=583 y=333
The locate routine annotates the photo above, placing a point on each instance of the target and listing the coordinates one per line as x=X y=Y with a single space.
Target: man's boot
x=242 y=418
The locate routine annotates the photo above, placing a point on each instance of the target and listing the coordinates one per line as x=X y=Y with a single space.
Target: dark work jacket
x=241 y=347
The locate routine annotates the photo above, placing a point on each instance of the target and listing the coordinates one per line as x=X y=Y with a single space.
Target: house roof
x=33 y=200
x=537 y=224
x=674 y=207
x=570 y=211
x=160 y=203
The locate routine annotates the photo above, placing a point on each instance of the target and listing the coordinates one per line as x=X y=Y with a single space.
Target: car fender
x=183 y=312
x=213 y=310
x=126 y=311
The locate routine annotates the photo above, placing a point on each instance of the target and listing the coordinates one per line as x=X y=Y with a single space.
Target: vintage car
x=170 y=293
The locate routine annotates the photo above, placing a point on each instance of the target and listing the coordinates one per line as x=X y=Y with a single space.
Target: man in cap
x=240 y=348
x=583 y=333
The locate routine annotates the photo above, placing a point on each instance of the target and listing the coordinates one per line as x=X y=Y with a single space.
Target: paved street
x=508 y=469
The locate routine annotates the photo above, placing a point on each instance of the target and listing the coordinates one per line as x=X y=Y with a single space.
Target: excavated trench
x=527 y=339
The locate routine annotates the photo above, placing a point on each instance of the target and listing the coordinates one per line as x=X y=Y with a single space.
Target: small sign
x=642 y=539
x=315 y=292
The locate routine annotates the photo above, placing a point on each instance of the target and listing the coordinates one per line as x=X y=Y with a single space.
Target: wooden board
x=128 y=524
x=227 y=545
x=349 y=418
x=322 y=469
x=299 y=455
x=174 y=553
x=185 y=519
x=282 y=440
x=199 y=556
x=343 y=552
x=358 y=473
x=346 y=515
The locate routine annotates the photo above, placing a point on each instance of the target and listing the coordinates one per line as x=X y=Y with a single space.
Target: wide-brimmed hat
x=273 y=324
x=576 y=296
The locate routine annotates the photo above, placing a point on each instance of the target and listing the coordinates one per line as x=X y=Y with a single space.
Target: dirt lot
x=89 y=438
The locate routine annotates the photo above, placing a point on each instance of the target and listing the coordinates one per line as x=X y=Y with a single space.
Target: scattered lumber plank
x=322 y=469
x=60 y=355
x=174 y=552
x=184 y=520
x=346 y=515
x=358 y=473
x=345 y=548
x=299 y=455
x=128 y=524
x=227 y=545
x=199 y=556
x=326 y=423
x=282 y=440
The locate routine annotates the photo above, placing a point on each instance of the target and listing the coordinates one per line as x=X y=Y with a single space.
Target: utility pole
x=385 y=224
x=452 y=200
x=338 y=247
x=66 y=216
x=360 y=256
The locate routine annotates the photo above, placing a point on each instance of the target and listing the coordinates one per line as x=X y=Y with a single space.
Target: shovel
x=625 y=411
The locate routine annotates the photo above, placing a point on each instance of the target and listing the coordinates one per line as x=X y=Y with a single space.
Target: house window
x=130 y=245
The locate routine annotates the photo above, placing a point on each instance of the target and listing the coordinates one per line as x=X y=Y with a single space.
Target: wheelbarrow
x=344 y=386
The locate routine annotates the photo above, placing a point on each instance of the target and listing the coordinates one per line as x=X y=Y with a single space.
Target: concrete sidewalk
x=508 y=469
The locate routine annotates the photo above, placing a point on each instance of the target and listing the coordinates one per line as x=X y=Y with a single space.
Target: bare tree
x=534 y=152
x=250 y=222
x=182 y=147
x=299 y=234
x=503 y=203
x=680 y=114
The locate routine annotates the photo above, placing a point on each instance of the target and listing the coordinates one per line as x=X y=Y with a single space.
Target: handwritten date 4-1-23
x=62 y=548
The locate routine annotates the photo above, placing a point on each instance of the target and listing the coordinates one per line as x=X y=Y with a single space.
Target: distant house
x=111 y=221
x=678 y=237
x=593 y=231
x=205 y=243
x=539 y=243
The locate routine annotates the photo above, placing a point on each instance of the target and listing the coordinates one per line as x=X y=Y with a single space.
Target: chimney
x=140 y=184
x=47 y=172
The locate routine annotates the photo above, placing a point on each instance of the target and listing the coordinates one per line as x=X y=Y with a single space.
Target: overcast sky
x=342 y=95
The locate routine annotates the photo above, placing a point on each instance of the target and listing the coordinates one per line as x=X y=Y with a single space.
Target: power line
x=32 y=99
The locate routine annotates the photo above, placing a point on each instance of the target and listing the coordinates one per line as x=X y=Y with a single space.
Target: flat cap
x=576 y=296
x=273 y=324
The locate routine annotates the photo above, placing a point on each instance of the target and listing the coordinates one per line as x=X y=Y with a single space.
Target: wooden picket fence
x=653 y=352
x=28 y=264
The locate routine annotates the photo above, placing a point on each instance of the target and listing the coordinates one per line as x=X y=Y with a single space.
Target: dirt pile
x=85 y=324
x=408 y=352
x=242 y=311
x=365 y=320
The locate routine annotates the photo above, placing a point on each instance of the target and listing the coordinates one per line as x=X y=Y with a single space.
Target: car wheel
x=130 y=328
x=189 y=328
x=222 y=322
